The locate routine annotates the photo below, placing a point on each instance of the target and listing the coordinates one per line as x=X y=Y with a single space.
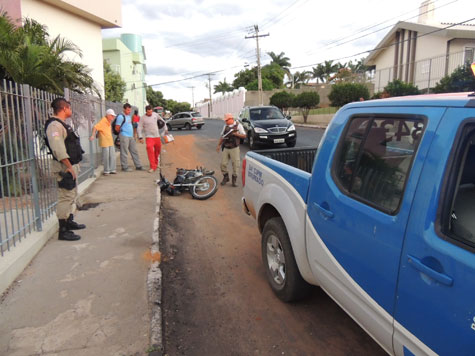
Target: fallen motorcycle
x=199 y=182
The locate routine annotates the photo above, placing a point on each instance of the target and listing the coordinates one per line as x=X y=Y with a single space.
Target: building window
x=469 y=56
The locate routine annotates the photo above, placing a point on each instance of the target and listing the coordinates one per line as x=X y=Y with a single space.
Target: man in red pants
x=148 y=127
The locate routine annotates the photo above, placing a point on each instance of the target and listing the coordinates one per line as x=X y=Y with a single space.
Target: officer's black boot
x=65 y=233
x=234 y=181
x=225 y=179
x=72 y=225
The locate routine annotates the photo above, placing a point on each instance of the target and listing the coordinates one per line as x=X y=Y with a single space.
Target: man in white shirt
x=148 y=127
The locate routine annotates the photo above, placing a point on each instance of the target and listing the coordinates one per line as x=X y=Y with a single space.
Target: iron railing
x=27 y=188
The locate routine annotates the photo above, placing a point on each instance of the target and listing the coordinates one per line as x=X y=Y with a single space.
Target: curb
x=154 y=285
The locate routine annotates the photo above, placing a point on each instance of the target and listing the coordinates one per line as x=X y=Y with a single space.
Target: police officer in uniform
x=231 y=136
x=64 y=145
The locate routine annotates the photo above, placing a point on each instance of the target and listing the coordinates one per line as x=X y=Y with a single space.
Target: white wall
x=83 y=33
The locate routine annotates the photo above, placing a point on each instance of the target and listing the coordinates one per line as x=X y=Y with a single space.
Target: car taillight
x=244 y=172
x=193 y=119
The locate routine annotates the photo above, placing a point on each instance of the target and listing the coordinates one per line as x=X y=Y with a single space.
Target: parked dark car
x=267 y=125
x=185 y=120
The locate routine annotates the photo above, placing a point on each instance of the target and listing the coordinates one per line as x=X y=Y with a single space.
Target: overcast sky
x=186 y=38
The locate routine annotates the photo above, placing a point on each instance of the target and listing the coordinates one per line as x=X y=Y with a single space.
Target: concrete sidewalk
x=89 y=297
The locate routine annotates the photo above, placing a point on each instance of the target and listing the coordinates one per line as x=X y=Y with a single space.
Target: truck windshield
x=266 y=114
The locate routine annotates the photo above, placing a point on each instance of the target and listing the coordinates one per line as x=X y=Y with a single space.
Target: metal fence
x=425 y=74
x=27 y=188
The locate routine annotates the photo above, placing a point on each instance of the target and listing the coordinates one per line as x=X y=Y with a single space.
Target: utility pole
x=192 y=96
x=210 y=98
x=259 y=75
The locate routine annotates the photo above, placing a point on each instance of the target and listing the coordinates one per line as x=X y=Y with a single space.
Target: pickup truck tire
x=187 y=126
x=279 y=261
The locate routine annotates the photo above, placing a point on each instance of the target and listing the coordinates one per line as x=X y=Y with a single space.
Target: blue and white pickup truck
x=382 y=217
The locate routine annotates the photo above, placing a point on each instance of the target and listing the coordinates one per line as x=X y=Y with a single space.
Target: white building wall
x=85 y=34
x=231 y=102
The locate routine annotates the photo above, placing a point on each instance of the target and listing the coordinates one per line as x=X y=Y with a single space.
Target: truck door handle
x=325 y=212
x=439 y=277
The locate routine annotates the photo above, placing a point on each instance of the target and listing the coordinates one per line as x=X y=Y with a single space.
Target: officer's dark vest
x=72 y=142
x=231 y=141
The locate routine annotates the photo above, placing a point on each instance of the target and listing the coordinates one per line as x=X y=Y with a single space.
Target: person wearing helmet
x=231 y=136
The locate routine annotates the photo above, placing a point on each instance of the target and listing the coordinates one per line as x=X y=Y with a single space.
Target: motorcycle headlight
x=291 y=128
x=259 y=130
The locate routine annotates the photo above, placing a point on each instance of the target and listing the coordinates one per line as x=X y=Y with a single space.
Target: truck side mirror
x=288 y=117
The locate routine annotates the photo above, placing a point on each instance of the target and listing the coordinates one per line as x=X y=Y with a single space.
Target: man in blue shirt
x=127 y=140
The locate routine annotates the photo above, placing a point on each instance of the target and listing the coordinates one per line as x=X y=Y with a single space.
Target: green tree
x=223 y=87
x=283 y=100
x=244 y=77
x=306 y=101
x=280 y=59
x=344 y=93
x=299 y=78
x=399 y=88
x=266 y=85
x=155 y=98
x=274 y=73
x=461 y=80
x=114 y=86
x=318 y=73
x=29 y=56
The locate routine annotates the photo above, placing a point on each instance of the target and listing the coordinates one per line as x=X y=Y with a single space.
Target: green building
x=126 y=56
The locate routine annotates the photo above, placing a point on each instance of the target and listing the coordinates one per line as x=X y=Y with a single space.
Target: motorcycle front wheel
x=204 y=188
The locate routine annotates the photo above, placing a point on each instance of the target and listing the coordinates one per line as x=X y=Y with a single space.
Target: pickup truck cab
x=381 y=216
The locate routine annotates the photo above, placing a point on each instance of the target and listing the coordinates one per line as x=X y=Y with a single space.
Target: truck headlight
x=259 y=130
x=291 y=128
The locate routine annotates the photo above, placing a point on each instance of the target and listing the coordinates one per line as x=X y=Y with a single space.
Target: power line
x=388 y=46
x=384 y=28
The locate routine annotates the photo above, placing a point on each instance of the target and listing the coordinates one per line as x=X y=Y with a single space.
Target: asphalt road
x=216 y=299
x=306 y=137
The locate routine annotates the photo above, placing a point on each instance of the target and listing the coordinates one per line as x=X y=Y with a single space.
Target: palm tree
x=28 y=56
x=280 y=59
x=300 y=78
x=329 y=69
x=318 y=73
x=223 y=87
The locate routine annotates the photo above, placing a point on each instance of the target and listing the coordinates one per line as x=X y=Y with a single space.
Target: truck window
x=459 y=222
x=375 y=159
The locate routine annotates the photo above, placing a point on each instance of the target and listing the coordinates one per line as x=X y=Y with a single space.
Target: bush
x=399 y=88
x=461 y=80
x=282 y=100
x=306 y=101
x=344 y=93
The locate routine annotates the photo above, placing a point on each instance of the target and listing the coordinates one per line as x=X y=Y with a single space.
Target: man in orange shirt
x=103 y=127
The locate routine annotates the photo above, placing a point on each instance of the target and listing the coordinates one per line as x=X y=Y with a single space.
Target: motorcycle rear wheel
x=204 y=188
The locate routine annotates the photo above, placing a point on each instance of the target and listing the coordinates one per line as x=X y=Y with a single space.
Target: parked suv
x=185 y=120
x=267 y=125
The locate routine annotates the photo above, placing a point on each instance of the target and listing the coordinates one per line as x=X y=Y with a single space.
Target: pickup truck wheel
x=252 y=143
x=187 y=126
x=279 y=261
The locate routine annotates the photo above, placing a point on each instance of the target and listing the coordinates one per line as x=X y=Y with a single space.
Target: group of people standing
x=65 y=147
x=130 y=130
